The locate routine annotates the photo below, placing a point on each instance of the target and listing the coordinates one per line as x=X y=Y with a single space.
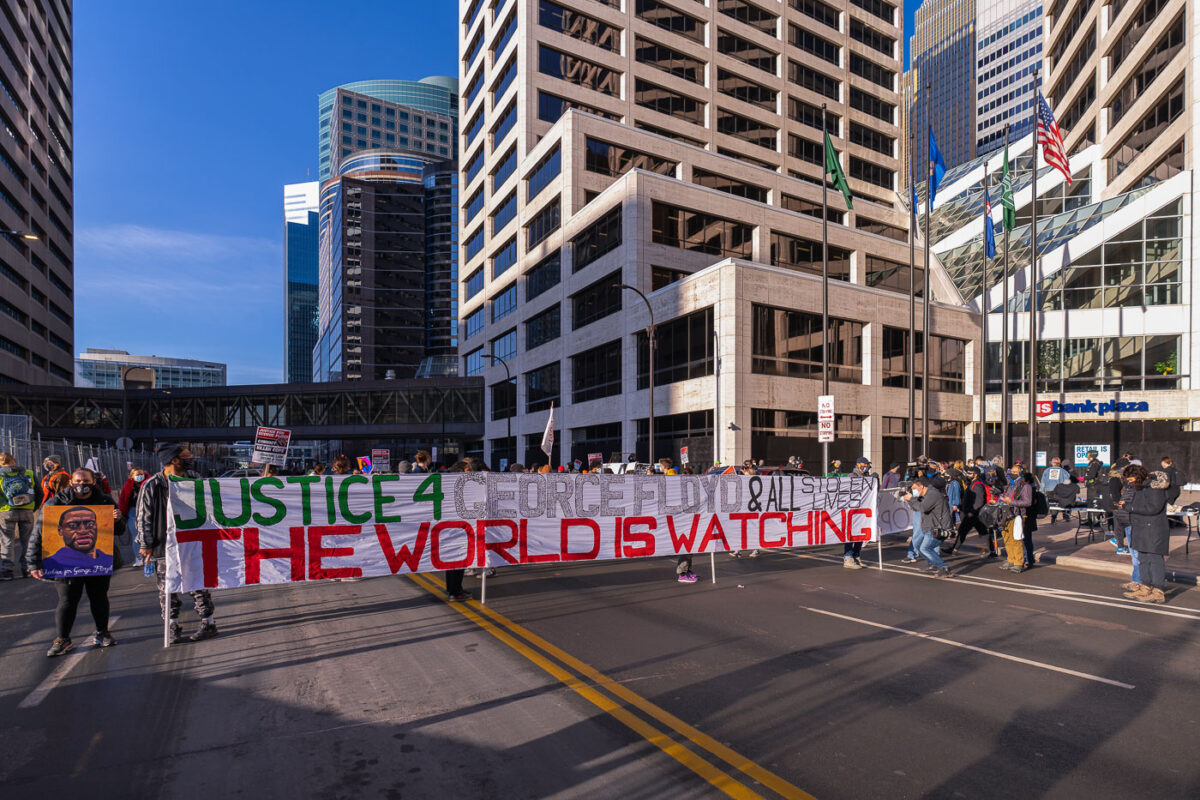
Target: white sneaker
x=850 y=563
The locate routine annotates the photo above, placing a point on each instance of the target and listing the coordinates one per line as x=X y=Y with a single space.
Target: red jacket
x=129 y=496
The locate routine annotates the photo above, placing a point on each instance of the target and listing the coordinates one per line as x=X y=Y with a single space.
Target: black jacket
x=1148 y=519
x=1177 y=480
x=974 y=498
x=935 y=511
x=33 y=553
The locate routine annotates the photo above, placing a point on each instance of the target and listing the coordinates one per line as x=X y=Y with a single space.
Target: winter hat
x=166 y=453
x=863 y=460
x=57 y=459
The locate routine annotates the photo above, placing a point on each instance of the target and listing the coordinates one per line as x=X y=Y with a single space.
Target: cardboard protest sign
x=77 y=541
x=381 y=460
x=271 y=446
x=242 y=531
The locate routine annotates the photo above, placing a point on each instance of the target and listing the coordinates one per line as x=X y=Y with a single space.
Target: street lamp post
x=651 y=343
x=508 y=417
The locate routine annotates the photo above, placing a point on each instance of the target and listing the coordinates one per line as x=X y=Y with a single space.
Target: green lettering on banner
x=344 y=499
x=305 y=482
x=219 y=511
x=201 y=513
x=430 y=490
x=256 y=491
x=330 y=501
x=382 y=499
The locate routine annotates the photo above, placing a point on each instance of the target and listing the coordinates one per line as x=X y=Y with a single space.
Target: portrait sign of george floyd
x=232 y=532
x=77 y=541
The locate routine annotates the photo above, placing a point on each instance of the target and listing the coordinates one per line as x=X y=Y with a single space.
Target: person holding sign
x=75 y=556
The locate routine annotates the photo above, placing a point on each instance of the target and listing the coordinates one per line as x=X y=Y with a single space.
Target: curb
x=1109 y=568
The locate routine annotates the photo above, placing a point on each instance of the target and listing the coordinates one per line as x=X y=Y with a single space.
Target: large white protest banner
x=243 y=531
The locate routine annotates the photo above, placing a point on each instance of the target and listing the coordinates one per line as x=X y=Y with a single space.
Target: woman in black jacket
x=1151 y=535
x=974 y=498
x=82 y=492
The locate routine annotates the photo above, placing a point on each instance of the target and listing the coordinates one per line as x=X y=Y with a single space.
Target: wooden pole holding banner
x=483 y=584
x=712 y=562
x=166 y=611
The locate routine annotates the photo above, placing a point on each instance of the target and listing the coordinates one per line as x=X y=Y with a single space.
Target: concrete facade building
x=1009 y=51
x=678 y=149
x=37 y=311
x=117 y=369
x=301 y=256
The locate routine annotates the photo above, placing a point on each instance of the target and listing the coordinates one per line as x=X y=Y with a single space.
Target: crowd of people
x=1001 y=504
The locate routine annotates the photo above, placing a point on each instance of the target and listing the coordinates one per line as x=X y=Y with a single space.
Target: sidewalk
x=1055 y=544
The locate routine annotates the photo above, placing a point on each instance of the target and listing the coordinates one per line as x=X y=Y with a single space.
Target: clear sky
x=189 y=119
x=910 y=12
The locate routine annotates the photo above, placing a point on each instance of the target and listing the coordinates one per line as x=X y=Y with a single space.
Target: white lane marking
x=69 y=662
x=27 y=613
x=984 y=651
x=1037 y=591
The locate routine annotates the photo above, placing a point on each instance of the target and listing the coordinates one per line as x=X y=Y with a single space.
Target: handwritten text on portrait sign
x=236 y=532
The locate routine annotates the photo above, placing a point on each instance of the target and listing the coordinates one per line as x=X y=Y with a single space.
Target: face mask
x=187 y=464
x=139 y=478
x=81 y=489
x=47 y=466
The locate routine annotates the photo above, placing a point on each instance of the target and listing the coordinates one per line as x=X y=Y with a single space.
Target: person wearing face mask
x=127 y=504
x=927 y=499
x=152 y=508
x=18 y=499
x=51 y=468
x=83 y=491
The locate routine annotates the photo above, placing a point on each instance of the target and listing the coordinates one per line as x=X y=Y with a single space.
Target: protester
x=18 y=499
x=403 y=467
x=454 y=577
x=974 y=498
x=82 y=492
x=153 y=506
x=1151 y=532
x=683 y=563
x=341 y=465
x=667 y=467
x=51 y=467
x=318 y=469
x=891 y=478
x=852 y=551
x=270 y=471
x=1112 y=499
x=127 y=505
x=1175 y=477
x=935 y=516
x=59 y=482
x=954 y=493
x=1019 y=495
x=1093 y=478
x=423 y=461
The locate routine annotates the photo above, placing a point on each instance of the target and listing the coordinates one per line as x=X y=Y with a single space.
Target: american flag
x=1050 y=138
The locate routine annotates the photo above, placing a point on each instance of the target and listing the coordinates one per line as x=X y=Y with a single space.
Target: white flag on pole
x=548 y=436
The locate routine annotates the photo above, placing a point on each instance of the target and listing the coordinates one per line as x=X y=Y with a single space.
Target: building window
x=947 y=370
x=668 y=102
x=504 y=214
x=804 y=255
x=545 y=223
x=504 y=259
x=475 y=244
x=746 y=51
x=826 y=15
x=611 y=160
x=703 y=233
x=749 y=14
x=747 y=91
x=814 y=81
x=692 y=429
x=504 y=303
x=474 y=283
x=670 y=61
x=542 y=387
x=880 y=229
x=885 y=11
x=872 y=38
x=1148 y=129
x=810 y=43
x=872 y=139
x=809 y=208
x=872 y=173
x=505 y=80
x=505 y=125
x=505 y=345
x=473 y=362
x=543 y=276
x=504 y=400
x=596 y=373
x=474 y=206
x=865 y=68
x=474 y=322
x=869 y=104
x=505 y=170
x=578 y=71
x=602 y=236
x=578 y=26
x=892 y=275
x=668 y=18
x=545 y=327
x=546 y=170
x=789 y=343
x=593 y=439
x=596 y=301
x=728 y=185
x=551 y=107
x=665 y=276
x=747 y=129
x=684 y=350
x=810 y=115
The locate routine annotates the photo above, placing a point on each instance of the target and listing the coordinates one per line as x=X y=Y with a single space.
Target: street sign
x=124 y=443
x=683 y=455
x=381 y=460
x=825 y=418
x=1041 y=458
x=271 y=446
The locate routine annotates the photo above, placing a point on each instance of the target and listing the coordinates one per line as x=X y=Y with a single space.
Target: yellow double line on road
x=620 y=703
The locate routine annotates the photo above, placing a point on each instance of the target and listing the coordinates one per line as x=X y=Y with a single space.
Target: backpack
x=17 y=488
x=1041 y=506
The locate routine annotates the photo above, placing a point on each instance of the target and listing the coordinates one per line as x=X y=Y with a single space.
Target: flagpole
x=1033 y=282
x=925 y=295
x=1004 y=336
x=983 y=313
x=912 y=288
x=825 y=277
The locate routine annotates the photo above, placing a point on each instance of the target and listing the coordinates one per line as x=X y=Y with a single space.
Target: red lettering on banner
x=564 y=537
x=255 y=555
x=743 y=518
x=865 y=534
x=405 y=556
x=643 y=538
x=617 y=529
x=763 y=541
x=316 y=552
x=532 y=558
x=714 y=523
x=435 y=549
x=827 y=522
x=501 y=548
x=792 y=530
x=208 y=538
x=686 y=540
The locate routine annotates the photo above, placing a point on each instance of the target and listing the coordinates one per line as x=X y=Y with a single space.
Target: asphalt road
x=789 y=677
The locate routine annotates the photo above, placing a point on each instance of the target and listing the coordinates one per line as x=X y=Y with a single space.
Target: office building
x=400 y=116
x=942 y=54
x=677 y=148
x=37 y=312
x=1009 y=51
x=117 y=369
x=383 y=297
x=301 y=247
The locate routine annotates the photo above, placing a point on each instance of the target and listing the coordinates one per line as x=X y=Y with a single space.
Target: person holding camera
x=935 y=518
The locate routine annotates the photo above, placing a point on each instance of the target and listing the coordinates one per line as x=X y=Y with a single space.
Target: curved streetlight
x=507 y=379
x=651 y=342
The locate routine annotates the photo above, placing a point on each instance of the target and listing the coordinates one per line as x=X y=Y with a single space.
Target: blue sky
x=189 y=119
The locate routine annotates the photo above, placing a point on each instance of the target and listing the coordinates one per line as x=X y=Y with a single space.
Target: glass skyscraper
x=943 y=58
x=301 y=248
x=1009 y=49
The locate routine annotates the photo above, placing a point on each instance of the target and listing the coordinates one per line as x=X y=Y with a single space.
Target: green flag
x=834 y=167
x=1006 y=196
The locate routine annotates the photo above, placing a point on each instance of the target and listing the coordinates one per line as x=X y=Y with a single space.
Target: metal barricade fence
x=114 y=463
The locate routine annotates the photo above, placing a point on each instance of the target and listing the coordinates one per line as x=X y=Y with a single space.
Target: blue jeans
x=1137 y=567
x=929 y=546
x=912 y=546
